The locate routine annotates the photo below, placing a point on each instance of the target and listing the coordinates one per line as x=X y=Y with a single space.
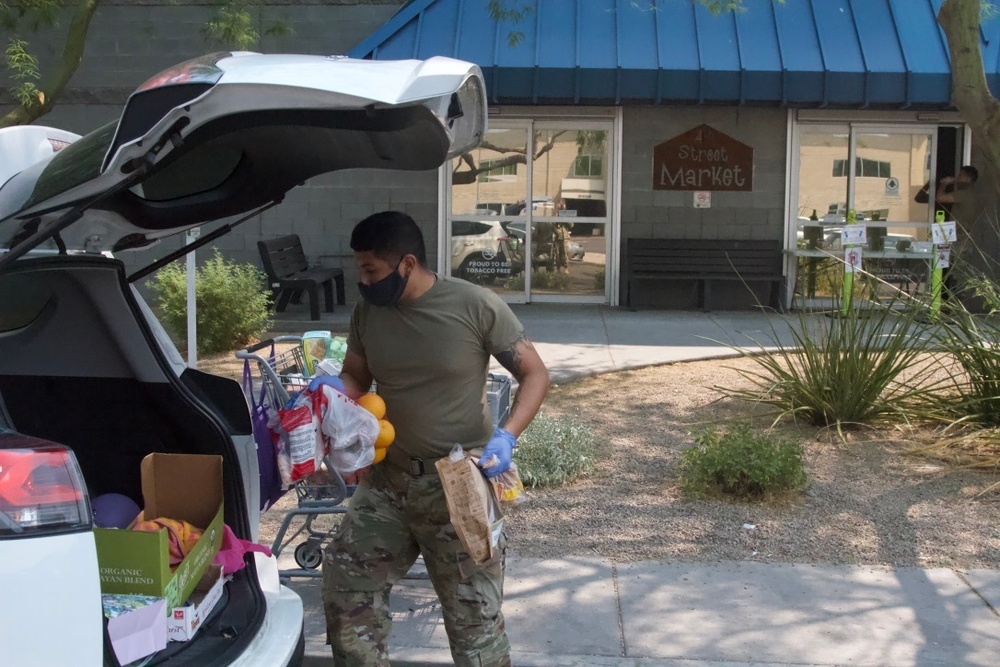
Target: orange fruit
x=379 y=455
x=374 y=404
x=386 y=434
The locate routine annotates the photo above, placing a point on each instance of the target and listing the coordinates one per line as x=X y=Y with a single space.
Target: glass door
x=487 y=193
x=876 y=171
x=533 y=229
x=569 y=212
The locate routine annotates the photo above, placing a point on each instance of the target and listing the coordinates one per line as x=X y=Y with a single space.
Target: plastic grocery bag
x=347 y=428
x=508 y=487
x=301 y=447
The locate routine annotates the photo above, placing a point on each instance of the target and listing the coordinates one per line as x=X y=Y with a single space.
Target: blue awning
x=801 y=53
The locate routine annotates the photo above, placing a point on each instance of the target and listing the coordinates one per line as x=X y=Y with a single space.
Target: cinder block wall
x=646 y=213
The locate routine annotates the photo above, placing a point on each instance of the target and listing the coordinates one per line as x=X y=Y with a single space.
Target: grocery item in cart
x=301 y=449
x=315 y=347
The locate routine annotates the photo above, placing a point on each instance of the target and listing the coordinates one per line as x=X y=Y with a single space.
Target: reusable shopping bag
x=271 y=488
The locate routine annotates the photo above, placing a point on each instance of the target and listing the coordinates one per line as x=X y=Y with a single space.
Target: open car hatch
x=230 y=133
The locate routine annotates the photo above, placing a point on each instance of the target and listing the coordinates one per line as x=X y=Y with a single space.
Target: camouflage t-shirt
x=429 y=358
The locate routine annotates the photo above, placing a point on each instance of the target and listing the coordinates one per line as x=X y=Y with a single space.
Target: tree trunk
x=969 y=91
x=54 y=84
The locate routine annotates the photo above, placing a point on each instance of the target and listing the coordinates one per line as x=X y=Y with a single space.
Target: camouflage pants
x=392 y=518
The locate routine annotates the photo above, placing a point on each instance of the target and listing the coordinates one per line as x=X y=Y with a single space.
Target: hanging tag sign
x=852 y=260
x=943 y=258
x=943 y=232
x=854 y=235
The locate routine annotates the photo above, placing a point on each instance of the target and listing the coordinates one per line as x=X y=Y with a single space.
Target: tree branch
x=519 y=157
x=55 y=83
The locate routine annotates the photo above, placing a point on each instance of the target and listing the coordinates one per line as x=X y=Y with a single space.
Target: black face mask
x=385 y=292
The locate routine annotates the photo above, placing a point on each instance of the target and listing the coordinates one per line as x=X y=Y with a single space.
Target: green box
x=187 y=487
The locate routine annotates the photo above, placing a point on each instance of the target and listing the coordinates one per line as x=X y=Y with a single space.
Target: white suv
x=90 y=383
x=474 y=241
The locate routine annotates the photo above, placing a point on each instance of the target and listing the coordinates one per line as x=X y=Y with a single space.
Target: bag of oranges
x=374 y=404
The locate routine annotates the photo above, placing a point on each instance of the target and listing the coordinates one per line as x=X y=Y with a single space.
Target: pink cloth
x=233 y=549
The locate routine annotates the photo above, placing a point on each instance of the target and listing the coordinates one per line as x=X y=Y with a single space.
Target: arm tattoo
x=511 y=358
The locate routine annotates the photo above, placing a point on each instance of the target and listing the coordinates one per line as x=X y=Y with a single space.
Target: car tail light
x=41 y=488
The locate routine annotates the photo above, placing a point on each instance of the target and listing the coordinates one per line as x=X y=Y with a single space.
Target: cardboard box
x=137 y=625
x=183 y=622
x=176 y=486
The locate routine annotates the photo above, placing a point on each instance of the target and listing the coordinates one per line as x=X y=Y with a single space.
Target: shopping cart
x=282 y=372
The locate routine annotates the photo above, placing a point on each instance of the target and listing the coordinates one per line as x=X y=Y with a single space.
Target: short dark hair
x=389 y=235
x=971 y=172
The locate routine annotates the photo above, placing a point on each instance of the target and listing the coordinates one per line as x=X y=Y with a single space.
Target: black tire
x=308 y=556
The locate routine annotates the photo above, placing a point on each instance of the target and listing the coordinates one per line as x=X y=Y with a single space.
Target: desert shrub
x=973 y=343
x=742 y=464
x=554 y=451
x=599 y=280
x=233 y=307
x=844 y=370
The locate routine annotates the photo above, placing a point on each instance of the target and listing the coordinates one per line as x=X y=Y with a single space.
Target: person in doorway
x=951 y=194
x=426 y=339
x=948 y=190
x=560 y=240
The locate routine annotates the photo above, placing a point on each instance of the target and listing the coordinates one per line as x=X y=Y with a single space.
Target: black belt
x=419 y=468
x=415 y=466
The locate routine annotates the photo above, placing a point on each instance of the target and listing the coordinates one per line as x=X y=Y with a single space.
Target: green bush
x=554 y=451
x=741 y=463
x=540 y=280
x=599 y=280
x=233 y=308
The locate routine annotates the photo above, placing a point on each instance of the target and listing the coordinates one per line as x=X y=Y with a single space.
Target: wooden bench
x=289 y=275
x=705 y=261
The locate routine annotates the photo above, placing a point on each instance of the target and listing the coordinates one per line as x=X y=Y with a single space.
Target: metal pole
x=192 y=301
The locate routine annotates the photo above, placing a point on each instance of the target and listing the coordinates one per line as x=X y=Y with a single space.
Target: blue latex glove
x=329 y=380
x=501 y=446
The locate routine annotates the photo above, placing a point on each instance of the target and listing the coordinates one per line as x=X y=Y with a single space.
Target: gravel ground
x=867 y=501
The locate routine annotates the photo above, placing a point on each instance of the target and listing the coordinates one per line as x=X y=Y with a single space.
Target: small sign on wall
x=702 y=199
x=892 y=187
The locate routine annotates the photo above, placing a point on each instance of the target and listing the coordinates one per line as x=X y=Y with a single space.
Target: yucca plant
x=856 y=368
x=973 y=342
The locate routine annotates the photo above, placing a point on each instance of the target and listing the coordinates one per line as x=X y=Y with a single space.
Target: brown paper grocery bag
x=472 y=507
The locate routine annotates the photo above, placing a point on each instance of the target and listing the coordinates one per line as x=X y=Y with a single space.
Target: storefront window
x=534 y=230
x=877 y=172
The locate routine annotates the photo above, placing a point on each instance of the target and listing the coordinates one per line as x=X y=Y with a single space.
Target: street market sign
x=703 y=159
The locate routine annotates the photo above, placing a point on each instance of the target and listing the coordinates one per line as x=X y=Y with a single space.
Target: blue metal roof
x=800 y=53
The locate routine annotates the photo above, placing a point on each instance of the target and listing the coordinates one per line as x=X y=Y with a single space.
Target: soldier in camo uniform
x=426 y=339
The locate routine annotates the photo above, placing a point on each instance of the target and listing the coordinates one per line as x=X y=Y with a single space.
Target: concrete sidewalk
x=580 y=340
x=581 y=612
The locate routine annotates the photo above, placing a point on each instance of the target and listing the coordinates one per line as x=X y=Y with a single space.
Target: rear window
x=76 y=164
x=469 y=228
